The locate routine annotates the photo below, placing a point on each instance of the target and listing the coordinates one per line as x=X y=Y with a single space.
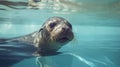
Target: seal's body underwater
x=55 y=33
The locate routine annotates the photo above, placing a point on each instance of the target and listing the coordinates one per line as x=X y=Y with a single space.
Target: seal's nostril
x=63 y=29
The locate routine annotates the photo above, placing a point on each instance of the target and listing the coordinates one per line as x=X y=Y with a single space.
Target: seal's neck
x=29 y=39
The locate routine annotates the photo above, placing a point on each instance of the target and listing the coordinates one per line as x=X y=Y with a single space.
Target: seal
x=54 y=33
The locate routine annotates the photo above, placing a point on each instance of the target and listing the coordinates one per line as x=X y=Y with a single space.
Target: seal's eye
x=52 y=25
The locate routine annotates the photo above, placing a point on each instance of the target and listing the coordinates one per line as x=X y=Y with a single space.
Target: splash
x=43 y=62
x=38 y=63
x=82 y=59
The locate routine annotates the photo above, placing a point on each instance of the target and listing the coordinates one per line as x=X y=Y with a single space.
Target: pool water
x=96 y=26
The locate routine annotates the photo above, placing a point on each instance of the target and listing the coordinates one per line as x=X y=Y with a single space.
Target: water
x=95 y=24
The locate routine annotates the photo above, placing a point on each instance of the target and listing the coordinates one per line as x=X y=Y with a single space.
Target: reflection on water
x=12 y=5
x=100 y=11
x=96 y=24
x=64 y=5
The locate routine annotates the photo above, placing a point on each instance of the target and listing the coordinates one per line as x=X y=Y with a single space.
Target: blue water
x=96 y=25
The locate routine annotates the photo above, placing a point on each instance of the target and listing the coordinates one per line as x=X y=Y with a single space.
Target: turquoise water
x=96 y=25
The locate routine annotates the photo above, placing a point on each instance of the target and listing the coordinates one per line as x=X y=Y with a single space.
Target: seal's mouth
x=63 y=39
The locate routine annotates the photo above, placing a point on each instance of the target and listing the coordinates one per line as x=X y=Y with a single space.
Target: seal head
x=55 y=33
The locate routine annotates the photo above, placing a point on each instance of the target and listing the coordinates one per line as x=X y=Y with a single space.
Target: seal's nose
x=64 y=29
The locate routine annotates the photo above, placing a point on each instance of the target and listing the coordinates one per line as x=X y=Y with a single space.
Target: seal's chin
x=63 y=39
